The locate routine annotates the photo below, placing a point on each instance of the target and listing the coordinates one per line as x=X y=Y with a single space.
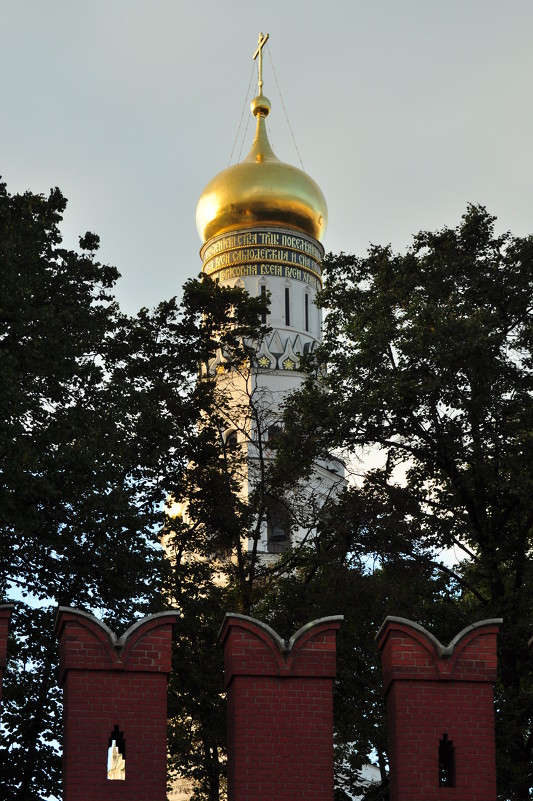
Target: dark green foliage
x=365 y=564
x=77 y=487
x=30 y=703
x=99 y=418
x=197 y=719
x=429 y=358
x=89 y=402
x=103 y=418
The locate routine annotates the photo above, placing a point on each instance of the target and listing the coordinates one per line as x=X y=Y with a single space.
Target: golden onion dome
x=261 y=191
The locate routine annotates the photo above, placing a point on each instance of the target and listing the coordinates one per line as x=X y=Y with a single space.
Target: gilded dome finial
x=261 y=190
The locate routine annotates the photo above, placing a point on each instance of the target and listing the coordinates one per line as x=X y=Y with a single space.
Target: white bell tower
x=261 y=223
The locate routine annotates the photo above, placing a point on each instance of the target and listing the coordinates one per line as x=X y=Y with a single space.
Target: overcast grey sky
x=403 y=111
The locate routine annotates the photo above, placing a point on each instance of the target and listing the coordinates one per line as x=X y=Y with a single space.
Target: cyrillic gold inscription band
x=264 y=252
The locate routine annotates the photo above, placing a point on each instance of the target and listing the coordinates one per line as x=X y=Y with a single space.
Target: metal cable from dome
x=245 y=106
x=283 y=105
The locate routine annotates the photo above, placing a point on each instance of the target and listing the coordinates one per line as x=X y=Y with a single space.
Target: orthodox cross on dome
x=259 y=52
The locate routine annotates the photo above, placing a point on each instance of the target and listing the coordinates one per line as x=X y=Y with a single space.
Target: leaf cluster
x=428 y=360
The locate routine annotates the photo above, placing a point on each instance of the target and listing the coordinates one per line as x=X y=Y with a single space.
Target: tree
x=356 y=553
x=217 y=541
x=99 y=421
x=104 y=418
x=96 y=414
x=429 y=359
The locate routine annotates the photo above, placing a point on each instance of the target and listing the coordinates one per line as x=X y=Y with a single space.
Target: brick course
x=432 y=691
x=280 y=710
x=109 y=681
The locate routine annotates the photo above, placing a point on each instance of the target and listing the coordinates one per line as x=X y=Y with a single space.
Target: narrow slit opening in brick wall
x=116 y=756
x=446 y=762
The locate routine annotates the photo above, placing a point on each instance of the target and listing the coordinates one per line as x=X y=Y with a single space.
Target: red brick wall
x=5 y=614
x=109 y=681
x=432 y=691
x=280 y=710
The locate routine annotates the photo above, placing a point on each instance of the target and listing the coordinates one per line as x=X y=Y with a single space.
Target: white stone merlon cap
x=442 y=650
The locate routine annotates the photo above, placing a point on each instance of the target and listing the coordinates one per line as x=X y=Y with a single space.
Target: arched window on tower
x=231 y=439
x=273 y=433
x=263 y=290
x=278 y=526
x=239 y=284
x=287 y=306
x=306 y=310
